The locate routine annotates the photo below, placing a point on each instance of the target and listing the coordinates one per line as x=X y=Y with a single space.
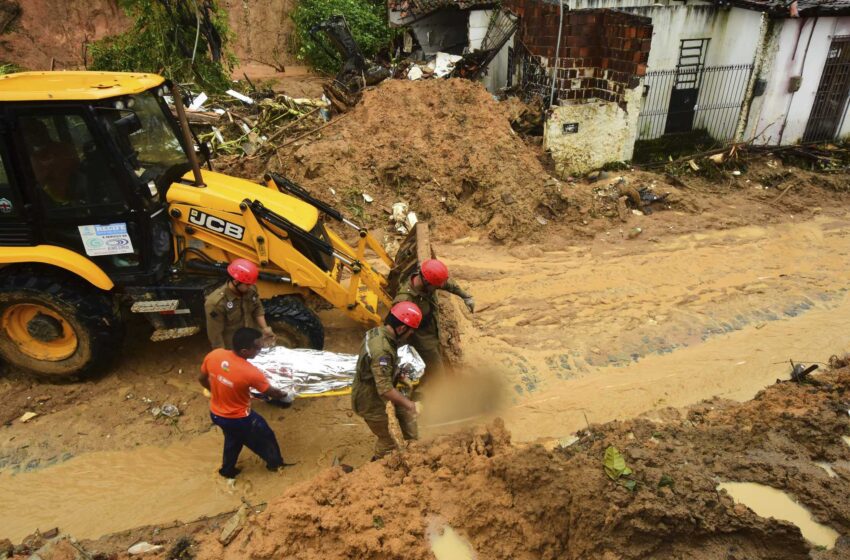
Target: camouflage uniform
x=426 y=339
x=227 y=311
x=376 y=375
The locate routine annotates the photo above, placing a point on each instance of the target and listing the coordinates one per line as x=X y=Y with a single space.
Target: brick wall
x=603 y=52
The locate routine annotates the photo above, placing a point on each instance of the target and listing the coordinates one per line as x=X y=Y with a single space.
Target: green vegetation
x=9 y=68
x=672 y=146
x=183 y=40
x=367 y=20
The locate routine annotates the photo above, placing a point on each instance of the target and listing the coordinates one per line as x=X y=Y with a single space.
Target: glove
x=470 y=303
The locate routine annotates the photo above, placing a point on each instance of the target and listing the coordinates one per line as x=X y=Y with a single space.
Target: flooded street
x=582 y=334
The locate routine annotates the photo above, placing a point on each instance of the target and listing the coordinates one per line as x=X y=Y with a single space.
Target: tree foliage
x=367 y=20
x=184 y=40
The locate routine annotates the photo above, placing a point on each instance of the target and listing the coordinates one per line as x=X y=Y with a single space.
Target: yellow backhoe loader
x=105 y=211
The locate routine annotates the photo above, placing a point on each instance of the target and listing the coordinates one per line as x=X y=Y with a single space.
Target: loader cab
x=88 y=172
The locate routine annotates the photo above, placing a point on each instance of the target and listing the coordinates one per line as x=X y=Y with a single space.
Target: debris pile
x=238 y=125
x=647 y=487
x=444 y=148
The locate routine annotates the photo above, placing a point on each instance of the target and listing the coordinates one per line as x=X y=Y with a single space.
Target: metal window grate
x=830 y=103
x=715 y=108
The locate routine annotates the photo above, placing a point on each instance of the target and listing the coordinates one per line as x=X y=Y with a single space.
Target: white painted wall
x=798 y=47
x=733 y=31
x=606 y=133
x=497 y=73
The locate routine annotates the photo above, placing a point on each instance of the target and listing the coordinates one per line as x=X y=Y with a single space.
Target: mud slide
x=581 y=334
x=661 y=501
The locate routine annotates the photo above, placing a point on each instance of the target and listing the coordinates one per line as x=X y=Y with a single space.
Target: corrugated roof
x=413 y=9
x=782 y=8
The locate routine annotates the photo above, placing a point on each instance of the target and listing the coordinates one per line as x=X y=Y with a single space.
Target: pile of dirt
x=445 y=147
x=532 y=503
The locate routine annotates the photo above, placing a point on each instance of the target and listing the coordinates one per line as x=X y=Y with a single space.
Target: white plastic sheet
x=313 y=372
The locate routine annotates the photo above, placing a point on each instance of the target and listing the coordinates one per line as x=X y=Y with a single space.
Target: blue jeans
x=252 y=432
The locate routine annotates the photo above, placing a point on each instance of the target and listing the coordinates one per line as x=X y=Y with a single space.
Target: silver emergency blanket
x=313 y=372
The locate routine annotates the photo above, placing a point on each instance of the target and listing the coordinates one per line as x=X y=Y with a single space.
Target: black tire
x=294 y=324
x=91 y=314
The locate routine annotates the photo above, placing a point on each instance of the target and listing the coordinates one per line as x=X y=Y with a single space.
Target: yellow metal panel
x=60 y=258
x=225 y=193
x=74 y=86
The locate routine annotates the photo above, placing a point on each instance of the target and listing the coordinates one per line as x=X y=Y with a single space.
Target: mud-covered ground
x=526 y=501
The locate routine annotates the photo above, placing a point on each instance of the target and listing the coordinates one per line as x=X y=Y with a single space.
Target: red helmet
x=434 y=272
x=408 y=313
x=243 y=271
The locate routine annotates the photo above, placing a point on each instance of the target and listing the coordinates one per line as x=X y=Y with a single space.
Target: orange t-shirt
x=231 y=376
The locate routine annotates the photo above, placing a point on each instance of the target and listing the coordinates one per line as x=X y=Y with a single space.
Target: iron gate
x=710 y=99
x=831 y=97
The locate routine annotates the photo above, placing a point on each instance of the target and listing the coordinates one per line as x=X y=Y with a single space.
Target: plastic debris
x=170 y=411
x=198 y=102
x=240 y=97
x=445 y=63
x=414 y=73
x=143 y=548
x=367 y=199
x=27 y=416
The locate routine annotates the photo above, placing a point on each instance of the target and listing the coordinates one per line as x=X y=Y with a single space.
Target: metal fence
x=707 y=98
x=830 y=103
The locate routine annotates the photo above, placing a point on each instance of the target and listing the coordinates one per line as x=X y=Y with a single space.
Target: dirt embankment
x=532 y=503
x=40 y=32
x=262 y=30
x=34 y=33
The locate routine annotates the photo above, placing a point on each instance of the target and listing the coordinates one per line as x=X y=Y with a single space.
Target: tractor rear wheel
x=295 y=325
x=56 y=325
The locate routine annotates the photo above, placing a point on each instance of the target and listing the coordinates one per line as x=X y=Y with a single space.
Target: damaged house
x=588 y=65
x=614 y=73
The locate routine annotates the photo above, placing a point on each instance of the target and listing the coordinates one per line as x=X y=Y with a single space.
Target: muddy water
x=446 y=544
x=98 y=493
x=103 y=492
x=581 y=334
x=611 y=331
x=770 y=502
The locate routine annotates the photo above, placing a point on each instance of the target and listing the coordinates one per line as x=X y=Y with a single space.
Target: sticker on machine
x=109 y=239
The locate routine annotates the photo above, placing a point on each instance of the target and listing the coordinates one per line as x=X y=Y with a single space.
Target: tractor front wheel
x=294 y=324
x=57 y=325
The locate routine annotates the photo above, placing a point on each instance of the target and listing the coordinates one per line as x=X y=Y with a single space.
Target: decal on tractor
x=215 y=224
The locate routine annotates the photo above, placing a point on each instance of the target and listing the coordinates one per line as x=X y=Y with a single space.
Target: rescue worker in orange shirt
x=229 y=376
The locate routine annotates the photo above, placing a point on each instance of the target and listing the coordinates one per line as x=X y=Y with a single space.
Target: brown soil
x=42 y=31
x=527 y=502
x=443 y=146
x=446 y=148
x=56 y=31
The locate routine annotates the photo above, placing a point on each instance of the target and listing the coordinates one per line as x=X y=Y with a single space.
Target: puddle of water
x=446 y=544
x=828 y=468
x=770 y=502
x=98 y=493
